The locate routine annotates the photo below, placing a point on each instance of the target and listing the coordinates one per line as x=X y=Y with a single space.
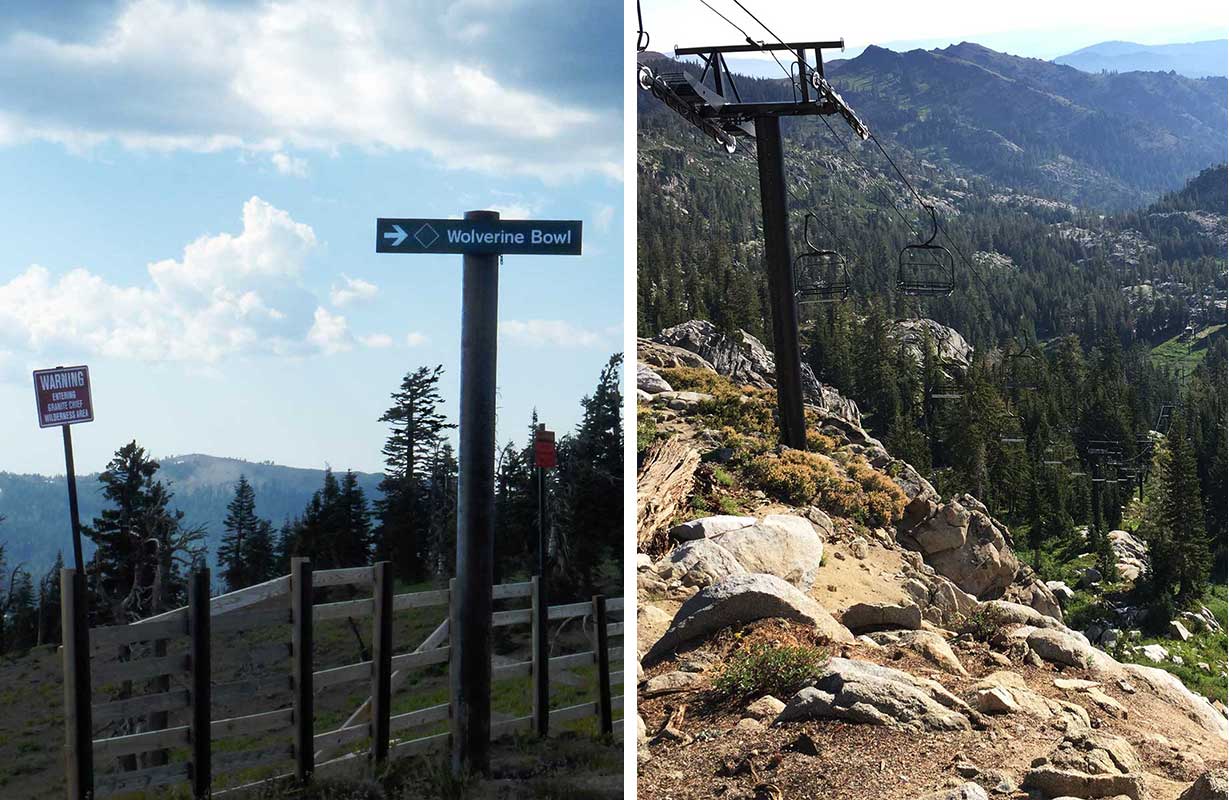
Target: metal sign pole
x=787 y=354
x=482 y=239
x=542 y=687
x=470 y=671
x=72 y=498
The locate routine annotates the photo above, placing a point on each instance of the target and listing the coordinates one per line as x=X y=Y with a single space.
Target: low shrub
x=853 y=490
x=769 y=669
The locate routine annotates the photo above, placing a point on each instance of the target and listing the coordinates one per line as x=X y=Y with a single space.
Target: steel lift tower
x=720 y=112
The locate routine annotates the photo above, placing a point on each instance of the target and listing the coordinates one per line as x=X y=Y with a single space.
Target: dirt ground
x=860 y=762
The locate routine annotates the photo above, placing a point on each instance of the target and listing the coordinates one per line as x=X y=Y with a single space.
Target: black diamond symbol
x=426 y=235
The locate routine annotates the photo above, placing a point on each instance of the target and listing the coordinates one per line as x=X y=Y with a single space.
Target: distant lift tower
x=719 y=111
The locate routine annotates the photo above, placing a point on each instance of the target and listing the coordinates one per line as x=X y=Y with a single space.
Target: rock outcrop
x=740 y=599
x=964 y=543
x=712 y=548
x=950 y=346
x=744 y=359
x=697 y=564
x=1087 y=764
x=779 y=544
x=1130 y=553
x=860 y=691
x=1208 y=786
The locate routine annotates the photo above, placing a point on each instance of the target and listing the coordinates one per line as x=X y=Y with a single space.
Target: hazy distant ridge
x=1193 y=59
x=36 y=506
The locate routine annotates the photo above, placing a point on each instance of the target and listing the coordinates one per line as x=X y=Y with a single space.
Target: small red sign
x=544 y=448
x=63 y=396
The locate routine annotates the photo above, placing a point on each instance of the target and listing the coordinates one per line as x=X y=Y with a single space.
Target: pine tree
x=1182 y=509
x=261 y=553
x=352 y=545
x=442 y=512
x=591 y=485
x=49 y=603
x=417 y=425
x=143 y=547
x=241 y=524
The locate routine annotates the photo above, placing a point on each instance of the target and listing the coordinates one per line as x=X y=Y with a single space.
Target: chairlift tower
x=720 y=112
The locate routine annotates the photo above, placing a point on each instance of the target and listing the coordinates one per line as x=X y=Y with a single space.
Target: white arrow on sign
x=397 y=237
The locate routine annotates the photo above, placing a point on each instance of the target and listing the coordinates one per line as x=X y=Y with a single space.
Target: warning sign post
x=62 y=397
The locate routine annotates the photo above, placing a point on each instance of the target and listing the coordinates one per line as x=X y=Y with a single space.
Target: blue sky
x=1044 y=29
x=190 y=200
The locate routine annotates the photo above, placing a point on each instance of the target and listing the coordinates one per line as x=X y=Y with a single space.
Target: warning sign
x=544 y=448
x=63 y=396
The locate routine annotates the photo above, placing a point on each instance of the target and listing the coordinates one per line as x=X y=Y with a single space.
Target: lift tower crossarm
x=796 y=47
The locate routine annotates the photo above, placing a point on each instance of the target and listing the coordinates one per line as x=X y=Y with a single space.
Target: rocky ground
x=938 y=665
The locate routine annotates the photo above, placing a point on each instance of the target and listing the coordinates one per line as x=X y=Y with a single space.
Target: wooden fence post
x=453 y=626
x=78 y=723
x=301 y=640
x=381 y=661
x=202 y=718
x=603 y=665
x=541 y=659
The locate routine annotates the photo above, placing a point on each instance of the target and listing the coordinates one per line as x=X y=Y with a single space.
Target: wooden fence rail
x=196 y=694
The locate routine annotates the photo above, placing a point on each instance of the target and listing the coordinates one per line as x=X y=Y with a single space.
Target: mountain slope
x=1192 y=59
x=35 y=507
x=1109 y=140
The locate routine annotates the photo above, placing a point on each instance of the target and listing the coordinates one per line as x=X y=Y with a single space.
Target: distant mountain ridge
x=1110 y=141
x=1192 y=59
x=35 y=507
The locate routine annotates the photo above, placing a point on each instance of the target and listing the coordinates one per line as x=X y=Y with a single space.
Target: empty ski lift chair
x=820 y=276
x=949 y=388
x=1020 y=370
x=926 y=269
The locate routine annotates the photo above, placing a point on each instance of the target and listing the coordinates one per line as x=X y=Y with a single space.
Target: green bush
x=982 y=624
x=768 y=669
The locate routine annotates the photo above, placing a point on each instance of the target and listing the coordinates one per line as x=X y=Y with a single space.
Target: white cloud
x=304 y=74
x=603 y=218
x=329 y=332
x=355 y=289
x=377 y=340
x=415 y=339
x=228 y=294
x=290 y=165
x=552 y=332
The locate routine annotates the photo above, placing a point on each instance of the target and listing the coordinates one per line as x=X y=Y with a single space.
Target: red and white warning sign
x=63 y=396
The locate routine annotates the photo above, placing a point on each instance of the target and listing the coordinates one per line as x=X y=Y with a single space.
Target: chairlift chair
x=820 y=276
x=1012 y=366
x=926 y=269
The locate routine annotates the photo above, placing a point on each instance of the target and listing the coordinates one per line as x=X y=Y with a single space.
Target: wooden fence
x=152 y=651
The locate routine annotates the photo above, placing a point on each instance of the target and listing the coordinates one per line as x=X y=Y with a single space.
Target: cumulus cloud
x=289 y=165
x=329 y=332
x=228 y=294
x=415 y=339
x=168 y=76
x=550 y=332
x=353 y=290
x=377 y=340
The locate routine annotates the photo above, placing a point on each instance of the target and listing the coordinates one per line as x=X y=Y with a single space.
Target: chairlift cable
x=642 y=36
x=729 y=21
